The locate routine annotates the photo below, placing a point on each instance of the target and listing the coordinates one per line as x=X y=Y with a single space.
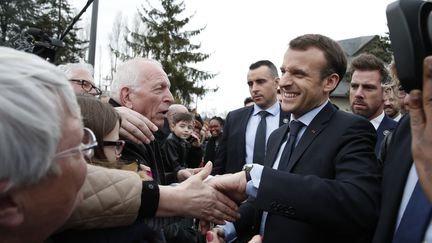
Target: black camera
x=410 y=26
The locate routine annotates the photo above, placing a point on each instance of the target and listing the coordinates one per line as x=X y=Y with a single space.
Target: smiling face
x=151 y=96
x=215 y=128
x=302 y=87
x=366 y=93
x=262 y=86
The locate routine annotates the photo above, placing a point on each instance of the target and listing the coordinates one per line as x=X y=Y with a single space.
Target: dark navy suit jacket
x=232 y=152
x=329 y=192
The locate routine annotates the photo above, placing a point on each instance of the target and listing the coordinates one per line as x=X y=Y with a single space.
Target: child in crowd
x=182 y=145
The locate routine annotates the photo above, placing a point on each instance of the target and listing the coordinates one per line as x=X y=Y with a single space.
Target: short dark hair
x=333 y=52
x=266 y=63
x=219 y=119
x=187 y=117
x=247 y=100
x=370 y=62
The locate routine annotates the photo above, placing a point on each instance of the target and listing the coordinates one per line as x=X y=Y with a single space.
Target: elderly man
x=143 y=86
x=42 y=145
x=81 y=77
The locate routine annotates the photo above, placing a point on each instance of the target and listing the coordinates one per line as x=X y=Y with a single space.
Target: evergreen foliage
x=162 y=37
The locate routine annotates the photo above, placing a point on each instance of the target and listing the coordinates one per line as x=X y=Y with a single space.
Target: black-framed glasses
x=86 y=147
x=87 y=86
x=119 y=144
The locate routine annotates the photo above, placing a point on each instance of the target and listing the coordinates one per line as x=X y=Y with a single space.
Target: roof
x=352 y=46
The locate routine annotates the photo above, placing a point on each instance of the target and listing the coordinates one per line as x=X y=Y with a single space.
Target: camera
x=410 y=26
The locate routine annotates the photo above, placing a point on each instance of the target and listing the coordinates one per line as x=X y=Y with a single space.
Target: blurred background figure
x=216 y=128
x=81 y=77
x=248 y=101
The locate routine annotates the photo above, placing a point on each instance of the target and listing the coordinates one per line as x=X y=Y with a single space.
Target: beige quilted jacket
x=111 y=198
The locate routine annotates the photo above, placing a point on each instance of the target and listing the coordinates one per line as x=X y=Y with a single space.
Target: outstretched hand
x=197 y=199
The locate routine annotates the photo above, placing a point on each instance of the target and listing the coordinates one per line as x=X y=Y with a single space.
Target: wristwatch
x=247 y=168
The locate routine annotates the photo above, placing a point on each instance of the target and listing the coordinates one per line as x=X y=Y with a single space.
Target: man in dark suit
x=368 y=74
x=238 y=142
x=328 y=189
x=401 y=174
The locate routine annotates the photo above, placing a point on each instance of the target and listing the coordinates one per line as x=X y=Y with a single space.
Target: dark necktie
x=416 y=218
x=295 y=127
x=260 y=139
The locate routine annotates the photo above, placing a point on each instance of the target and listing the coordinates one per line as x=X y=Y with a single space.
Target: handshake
x=210 y=199
x=213 y=199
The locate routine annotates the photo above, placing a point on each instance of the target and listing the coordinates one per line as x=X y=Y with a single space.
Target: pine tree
x=15 y=16
x=162 y=38
x=381 y=47
x=55 y=16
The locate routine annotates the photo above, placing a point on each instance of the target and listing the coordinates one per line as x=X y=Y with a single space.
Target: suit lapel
x=315 y=127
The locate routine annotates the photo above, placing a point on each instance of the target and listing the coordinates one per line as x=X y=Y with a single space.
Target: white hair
x=35 y=96
x=127 y=74
x=69 y=67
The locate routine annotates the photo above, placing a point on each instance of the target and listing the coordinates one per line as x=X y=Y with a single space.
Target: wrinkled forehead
x=80 y=73
x=152 y=74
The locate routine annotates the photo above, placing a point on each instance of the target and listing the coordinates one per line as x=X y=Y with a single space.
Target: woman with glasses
x=104 y=121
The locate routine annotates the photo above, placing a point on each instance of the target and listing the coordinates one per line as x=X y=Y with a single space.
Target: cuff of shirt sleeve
x=149 y=199
x=229 y=231
x=253 y=185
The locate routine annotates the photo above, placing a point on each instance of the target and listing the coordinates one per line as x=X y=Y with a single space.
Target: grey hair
x=69 y=67
x=127 y=74
x=35 y=96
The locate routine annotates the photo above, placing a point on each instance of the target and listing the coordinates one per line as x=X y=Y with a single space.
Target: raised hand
x=420 y=110
x=135 y=127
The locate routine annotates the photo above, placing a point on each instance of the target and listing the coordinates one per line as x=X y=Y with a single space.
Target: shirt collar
x=273 y=110
x=377 y=120
x=307 y=118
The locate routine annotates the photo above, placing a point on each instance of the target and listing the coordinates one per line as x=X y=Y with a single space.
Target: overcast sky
x=240 y=32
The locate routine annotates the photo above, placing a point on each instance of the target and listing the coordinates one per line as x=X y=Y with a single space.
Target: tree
x=162 y=38
x=55 y=16
x=14 y=17
x=381 y=47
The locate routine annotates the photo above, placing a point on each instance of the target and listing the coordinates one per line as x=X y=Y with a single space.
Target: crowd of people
x=78 y=165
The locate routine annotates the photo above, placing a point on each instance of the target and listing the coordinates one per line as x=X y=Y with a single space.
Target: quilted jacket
x=121 y=193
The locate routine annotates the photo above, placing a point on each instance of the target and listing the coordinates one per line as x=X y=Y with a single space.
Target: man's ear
x=331 y=82
x=10 y=215
x=125 y=97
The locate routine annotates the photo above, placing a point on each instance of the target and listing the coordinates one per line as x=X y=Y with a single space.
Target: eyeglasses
x=86 y=147
x=119 y=144
x=87 y=86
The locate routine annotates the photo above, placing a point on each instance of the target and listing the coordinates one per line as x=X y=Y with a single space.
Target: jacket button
x=150 y=186
x=290 y=211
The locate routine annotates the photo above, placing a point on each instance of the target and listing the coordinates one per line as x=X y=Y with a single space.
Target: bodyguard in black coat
x=232 y=153
x=241 y=124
